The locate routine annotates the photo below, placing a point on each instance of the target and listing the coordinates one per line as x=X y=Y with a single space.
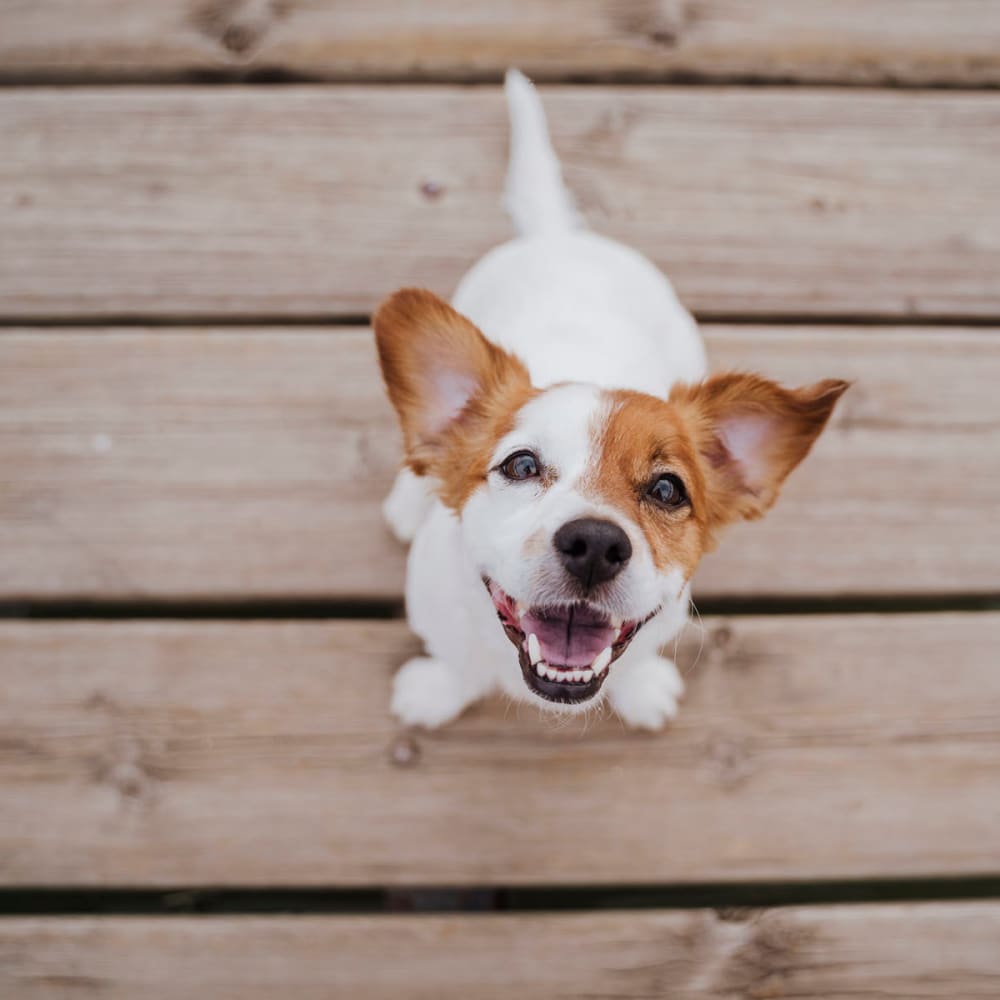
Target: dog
x=567 y=461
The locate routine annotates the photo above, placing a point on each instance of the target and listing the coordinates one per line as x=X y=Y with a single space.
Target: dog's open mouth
x=566 y=651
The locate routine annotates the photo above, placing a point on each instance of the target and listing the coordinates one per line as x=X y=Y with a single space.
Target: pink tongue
x=569 y=638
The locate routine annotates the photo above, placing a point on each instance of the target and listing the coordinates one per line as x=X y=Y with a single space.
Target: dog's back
x=573 y=305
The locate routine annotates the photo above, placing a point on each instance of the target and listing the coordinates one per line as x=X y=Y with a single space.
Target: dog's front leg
x=645 y=691
x=449 y=609
x=430 y=692
x=645 y=688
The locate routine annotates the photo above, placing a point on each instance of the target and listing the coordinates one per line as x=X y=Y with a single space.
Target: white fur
x=646 y=691
x=407 y=504
x=576 y=308
x=536 y=197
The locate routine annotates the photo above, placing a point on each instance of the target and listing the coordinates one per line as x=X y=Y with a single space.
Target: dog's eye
x=520 y=465
x=668 y=490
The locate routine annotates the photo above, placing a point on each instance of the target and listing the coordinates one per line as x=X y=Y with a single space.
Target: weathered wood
x=944 y=951
x=206 y=464
x=861 y=41
x=168 y=753
x=296 y=201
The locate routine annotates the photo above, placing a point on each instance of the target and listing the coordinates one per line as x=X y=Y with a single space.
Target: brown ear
x=437 y=366
x=751 y=433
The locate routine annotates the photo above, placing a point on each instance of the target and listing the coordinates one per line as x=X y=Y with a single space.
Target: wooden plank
x=296 y=201
x=941 y=950
x=858 y=41
x=195 y=464
x=255 y=753
x=204 y=464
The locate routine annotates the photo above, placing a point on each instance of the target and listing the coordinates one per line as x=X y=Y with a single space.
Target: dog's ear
x=751 y=433
x=438 y=369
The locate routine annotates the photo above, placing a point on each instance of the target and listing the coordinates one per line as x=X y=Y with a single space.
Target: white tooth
x=588 y=676
x=551 y=674
x=601 y=661
x=577 y=676
x=616 y=623
x=534 y=648
x=540 y=669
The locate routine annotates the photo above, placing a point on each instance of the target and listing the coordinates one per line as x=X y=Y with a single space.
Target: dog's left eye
x=520 y=465
x=668 y=490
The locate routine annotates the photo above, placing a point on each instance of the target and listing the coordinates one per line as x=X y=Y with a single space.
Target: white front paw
x=427 y=692
x=645 y=693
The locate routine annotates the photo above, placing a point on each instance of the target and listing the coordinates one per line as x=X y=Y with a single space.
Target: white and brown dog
x=567 y=461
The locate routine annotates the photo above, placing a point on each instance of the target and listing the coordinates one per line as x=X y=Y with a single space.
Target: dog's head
x=585 y=510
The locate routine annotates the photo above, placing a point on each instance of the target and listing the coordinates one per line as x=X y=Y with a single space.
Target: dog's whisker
x=701 y=644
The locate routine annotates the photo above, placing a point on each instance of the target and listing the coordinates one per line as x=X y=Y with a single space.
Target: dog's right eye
x=520 y=465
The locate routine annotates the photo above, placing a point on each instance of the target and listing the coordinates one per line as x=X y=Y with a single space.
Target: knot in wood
x=129 y=778
x=730 y=761
x=722 y=636
x=431 y=190
x=405 y=752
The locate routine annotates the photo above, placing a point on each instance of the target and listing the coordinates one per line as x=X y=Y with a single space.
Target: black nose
x=592 y=550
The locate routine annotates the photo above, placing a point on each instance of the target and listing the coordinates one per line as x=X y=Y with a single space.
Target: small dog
x=567 y=461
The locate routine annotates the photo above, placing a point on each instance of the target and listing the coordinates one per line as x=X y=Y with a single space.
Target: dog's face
x=585 y=510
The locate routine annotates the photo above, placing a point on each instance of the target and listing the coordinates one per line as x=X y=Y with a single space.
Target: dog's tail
x=535 y=196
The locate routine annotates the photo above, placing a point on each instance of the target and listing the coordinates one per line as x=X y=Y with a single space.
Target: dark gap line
x=187 y=900
x=322 y=320
x=235 y=321
x=710 y=317
x=885 y=604
x=221 y=609
x=273 y=76
x=750 y=895
x=326 y=609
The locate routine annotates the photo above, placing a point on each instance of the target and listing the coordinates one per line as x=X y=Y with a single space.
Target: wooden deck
x=199 y=205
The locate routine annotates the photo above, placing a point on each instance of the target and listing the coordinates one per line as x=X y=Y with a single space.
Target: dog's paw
x=427 y=692
x=406 y=506
x=646 y=693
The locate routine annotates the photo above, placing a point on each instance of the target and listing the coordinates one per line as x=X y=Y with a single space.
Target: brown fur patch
x=467 y=447
x=645 y=437
x=791 y=419
x=421 y=340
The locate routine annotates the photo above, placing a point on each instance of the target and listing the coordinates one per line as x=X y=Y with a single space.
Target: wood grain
x=940 y=951
x=856 y=41
x=205 y=463
x=252 y=753
x=317 y=201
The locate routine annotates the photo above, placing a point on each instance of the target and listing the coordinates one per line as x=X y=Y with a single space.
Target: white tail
x=535 y=197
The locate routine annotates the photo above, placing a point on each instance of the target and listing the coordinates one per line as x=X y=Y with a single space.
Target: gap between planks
x=249 y=608
x=187 y=899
